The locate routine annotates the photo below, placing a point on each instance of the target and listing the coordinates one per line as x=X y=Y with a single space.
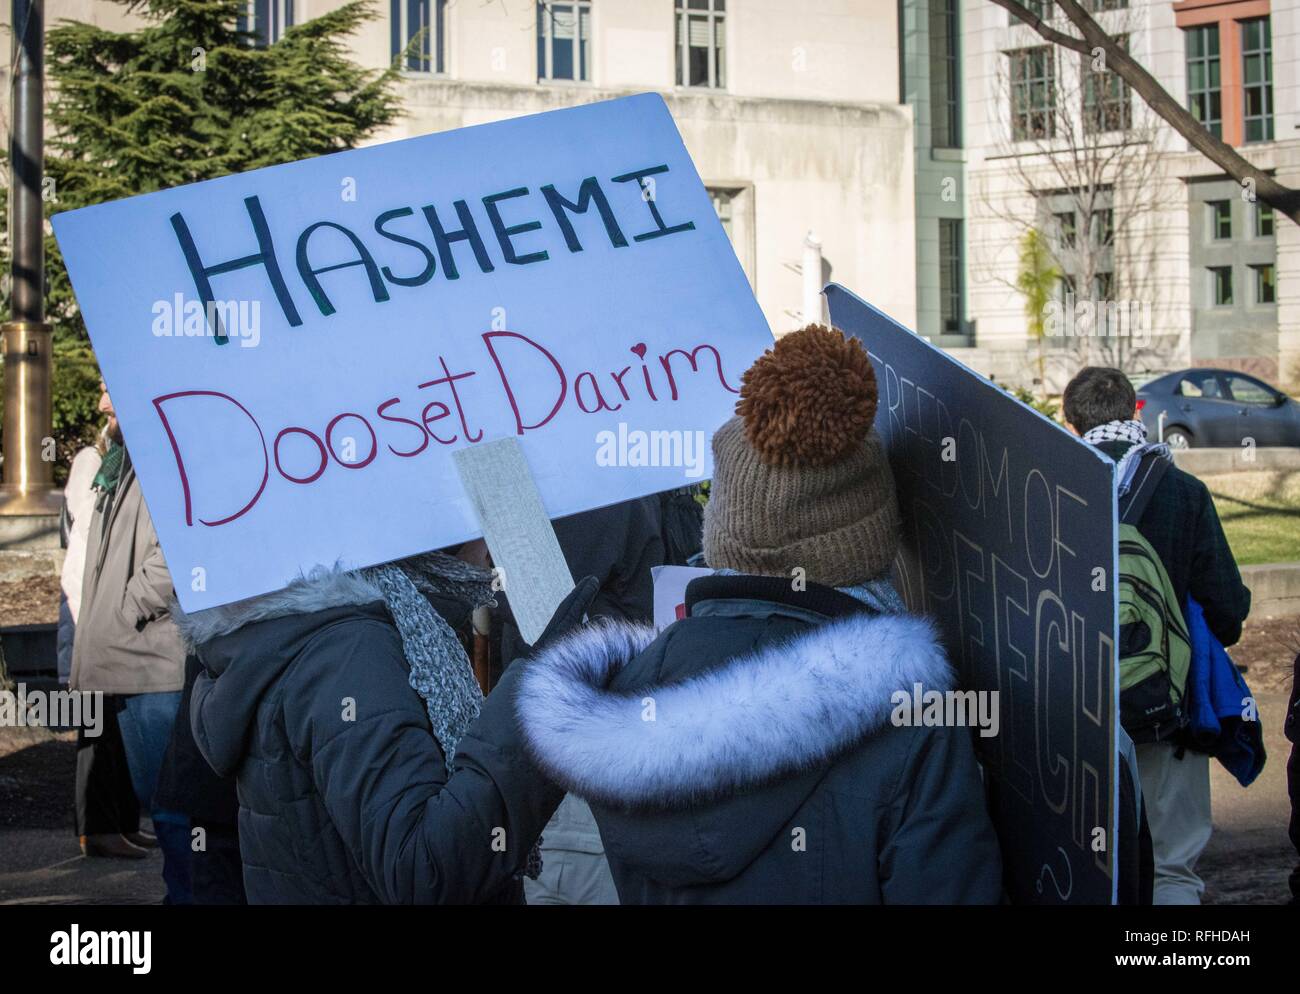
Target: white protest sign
x=670 y=591
x=517 y=531
x=560 y=278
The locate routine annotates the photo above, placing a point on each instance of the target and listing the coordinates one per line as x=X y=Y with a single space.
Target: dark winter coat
x=344 y=796
x=746 y=754
x=1183 y=529
x=186 y=783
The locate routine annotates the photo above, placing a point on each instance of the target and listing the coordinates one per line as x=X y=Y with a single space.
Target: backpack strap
x=1151 y=470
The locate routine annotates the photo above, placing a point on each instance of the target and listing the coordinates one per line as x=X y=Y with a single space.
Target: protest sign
x=670 y=584
x=517 y=531
x=295 y=352
x=1009 y=542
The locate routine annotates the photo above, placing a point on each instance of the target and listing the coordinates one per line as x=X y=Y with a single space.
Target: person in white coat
x=78 y=506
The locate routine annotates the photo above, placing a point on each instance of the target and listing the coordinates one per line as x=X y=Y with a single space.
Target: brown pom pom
x=809 y=399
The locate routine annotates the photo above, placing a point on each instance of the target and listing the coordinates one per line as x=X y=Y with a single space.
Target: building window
x=564 y=41
x=1204 y=97
x=734 y=206
x=945 y=74
x=1265 y=289
x=1096 y=6
x=701 y=43
x=1106 y=103
x=1042 y=9
x=1263 y=220
x=1068 y=229
x=951 y=288
x=1220 y=219
x=267 y=20
x=722 y=206
x=1103 y=286
x=1033 y=93
x=1221 y=283
x=1066 y=291
x=419 y=33
x=1257 y=78
x=1103 y=227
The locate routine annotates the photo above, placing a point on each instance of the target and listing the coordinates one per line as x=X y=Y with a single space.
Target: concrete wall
x=1205 y=462
x=1274 y=589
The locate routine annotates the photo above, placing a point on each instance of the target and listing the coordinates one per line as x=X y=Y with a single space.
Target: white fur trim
x=769 y=712
x=323 y=587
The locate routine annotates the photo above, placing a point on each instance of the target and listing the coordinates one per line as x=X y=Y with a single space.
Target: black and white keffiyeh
x=1134 y=434
x=1132 y=431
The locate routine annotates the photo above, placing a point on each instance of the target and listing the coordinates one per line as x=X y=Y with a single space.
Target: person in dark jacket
x=1183 y=529
x=186 y=783
x=751 y=752
x=369 y=767
x=1180 y=523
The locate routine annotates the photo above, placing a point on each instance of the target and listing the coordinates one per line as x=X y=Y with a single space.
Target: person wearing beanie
x=753 y=751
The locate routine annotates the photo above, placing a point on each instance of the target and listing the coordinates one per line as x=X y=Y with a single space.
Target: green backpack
x=1155 y=651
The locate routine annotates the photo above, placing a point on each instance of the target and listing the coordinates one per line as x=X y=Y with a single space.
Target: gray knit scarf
x=441 y=672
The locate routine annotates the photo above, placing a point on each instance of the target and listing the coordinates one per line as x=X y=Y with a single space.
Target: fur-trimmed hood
x=777 y=710
x=324 y=587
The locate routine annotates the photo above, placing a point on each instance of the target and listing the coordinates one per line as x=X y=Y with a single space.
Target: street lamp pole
x=27 y=479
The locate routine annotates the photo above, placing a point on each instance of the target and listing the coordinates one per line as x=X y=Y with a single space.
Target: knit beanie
x=800 y=477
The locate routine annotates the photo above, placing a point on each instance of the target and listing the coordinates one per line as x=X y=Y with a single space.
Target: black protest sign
x=1009 y=542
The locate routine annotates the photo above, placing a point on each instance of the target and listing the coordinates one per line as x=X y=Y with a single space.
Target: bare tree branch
x=1281 y=198
x=1022 y=13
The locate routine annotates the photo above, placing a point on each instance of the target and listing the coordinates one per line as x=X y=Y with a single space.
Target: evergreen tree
x=185 y=97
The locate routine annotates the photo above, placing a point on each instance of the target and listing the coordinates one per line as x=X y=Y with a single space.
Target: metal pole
x=811 y=266
x=27 y=480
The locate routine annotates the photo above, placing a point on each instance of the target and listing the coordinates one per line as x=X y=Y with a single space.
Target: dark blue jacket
x=1183 y=529
x=344 y=794
x=747 y=755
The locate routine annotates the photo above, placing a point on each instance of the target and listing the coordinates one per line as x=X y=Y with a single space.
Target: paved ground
x=1250 y=855
x=40 y=861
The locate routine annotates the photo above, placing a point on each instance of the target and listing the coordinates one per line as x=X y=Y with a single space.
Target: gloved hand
x=569 y=614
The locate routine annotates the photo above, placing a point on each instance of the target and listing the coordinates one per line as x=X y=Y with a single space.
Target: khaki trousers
x=1177 y=797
